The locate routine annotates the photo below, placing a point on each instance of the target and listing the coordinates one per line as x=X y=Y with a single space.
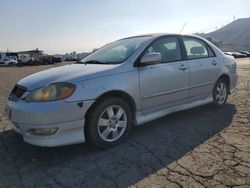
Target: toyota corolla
x=127 y=82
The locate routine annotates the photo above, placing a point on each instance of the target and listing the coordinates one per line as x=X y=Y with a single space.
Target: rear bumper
x=233 y=82
x=66 y=118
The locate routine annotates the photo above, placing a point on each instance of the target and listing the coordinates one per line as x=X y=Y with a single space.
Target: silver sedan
x=127 y=82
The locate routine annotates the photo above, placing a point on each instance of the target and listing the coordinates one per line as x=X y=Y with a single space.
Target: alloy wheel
x=112 y=123
x=221 y=93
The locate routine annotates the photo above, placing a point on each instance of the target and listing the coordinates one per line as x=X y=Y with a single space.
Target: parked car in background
x=31 y=61
x=239 y=55
x=24 y=60
x=71 y=59
x=56 y=59
x=9 y=61
x=127 y=82
x=236 y=54
x=229 y=53
x=46 y=59
x=245 y=52
x=1 y=61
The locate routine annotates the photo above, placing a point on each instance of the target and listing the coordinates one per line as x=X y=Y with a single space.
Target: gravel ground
x=201 y=147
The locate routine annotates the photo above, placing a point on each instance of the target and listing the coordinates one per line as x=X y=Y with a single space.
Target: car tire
x=108 y=122
x=11 y=64
x=220 y=93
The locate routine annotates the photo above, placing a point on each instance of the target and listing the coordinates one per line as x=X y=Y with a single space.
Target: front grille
x=17 y=92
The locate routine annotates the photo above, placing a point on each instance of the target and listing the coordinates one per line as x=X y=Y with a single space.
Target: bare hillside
x=235 y=35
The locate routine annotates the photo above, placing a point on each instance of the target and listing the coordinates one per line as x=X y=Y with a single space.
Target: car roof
x=156 y=35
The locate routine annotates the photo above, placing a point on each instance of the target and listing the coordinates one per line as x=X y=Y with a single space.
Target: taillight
x=234 y=67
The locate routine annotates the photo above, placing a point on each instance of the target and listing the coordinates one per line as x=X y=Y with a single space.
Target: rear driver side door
x=203 y=65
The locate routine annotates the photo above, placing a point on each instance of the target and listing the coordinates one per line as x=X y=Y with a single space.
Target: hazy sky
x=59 y=26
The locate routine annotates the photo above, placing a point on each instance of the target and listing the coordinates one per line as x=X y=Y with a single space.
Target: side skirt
x=141 y=119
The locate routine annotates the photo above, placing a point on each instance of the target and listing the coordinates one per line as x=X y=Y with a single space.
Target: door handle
x=214 y=62
x=183 y=67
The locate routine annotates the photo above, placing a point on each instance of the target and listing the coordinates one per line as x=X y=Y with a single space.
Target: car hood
x=67 y=73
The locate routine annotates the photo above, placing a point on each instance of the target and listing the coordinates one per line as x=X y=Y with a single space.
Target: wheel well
x=227 y=79
x=124 y=96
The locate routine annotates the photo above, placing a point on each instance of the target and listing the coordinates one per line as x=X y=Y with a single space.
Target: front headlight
x=53 y=92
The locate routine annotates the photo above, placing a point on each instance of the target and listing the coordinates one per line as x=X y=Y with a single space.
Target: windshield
x=115 y=52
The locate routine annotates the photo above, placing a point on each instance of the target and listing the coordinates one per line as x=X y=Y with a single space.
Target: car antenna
x=184 y=25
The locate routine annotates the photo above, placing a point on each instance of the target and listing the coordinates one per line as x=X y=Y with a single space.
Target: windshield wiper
x=93 y=62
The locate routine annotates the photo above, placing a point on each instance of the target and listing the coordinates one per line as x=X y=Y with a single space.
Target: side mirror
x=151 y=58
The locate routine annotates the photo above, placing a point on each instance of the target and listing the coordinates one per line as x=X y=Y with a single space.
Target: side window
x=168 y=47
x=195 y=48
x=210 y=52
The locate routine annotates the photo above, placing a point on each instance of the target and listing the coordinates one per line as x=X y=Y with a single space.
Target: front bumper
x=66 y=117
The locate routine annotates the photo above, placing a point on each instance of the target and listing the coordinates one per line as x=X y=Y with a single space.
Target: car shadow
x=148 y=149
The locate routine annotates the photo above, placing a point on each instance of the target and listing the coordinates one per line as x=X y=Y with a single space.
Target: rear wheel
x=220 y=93
x=108 y=123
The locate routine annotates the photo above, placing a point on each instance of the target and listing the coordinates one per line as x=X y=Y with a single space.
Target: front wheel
x=108 y=123
x=220 y=93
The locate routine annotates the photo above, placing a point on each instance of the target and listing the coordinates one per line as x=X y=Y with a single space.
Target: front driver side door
x=165 y=84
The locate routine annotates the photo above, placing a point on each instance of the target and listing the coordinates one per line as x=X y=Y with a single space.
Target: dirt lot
x=202 y=147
